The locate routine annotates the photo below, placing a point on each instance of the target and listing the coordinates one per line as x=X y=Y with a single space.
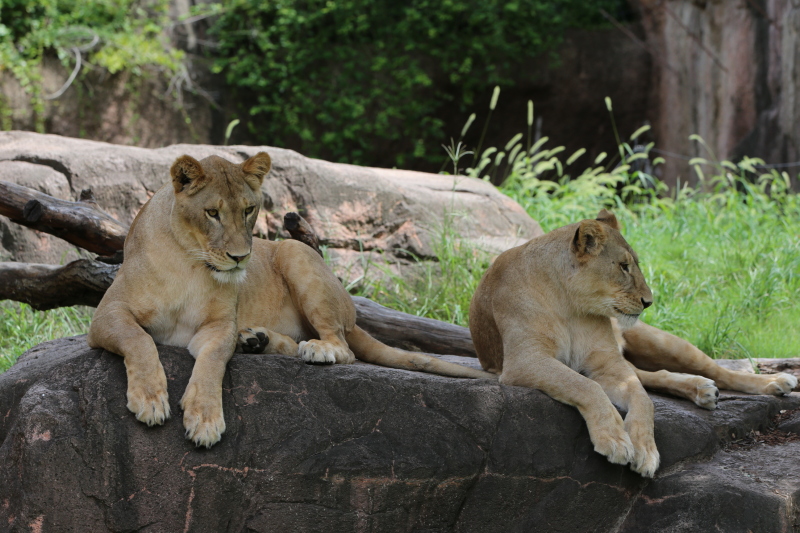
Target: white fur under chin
x=626 y=321
x=235 y=275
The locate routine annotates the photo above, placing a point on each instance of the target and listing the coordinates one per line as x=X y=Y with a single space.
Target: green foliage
x=22 y=328
x=111 y=34
x=350 y=80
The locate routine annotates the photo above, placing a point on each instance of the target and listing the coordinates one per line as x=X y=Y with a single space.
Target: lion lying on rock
x=556 y=313
x=194 y=277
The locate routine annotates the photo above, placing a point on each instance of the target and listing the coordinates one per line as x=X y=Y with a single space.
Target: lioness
x=192 y=272
x=555 y=314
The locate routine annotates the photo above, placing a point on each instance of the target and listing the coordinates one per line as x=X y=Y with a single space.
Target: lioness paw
x=202 y=417
x=318 y=352
x=781 y=384
x=615 y=444
x=149 y=401
x=707 y=393
x=252 y=340
x=646 y=458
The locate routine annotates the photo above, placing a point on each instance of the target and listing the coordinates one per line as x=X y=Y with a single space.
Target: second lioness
x=555 y=313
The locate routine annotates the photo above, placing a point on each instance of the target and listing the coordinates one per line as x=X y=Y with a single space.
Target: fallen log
x=80 y=223
x=81 y=282
x=414 y=333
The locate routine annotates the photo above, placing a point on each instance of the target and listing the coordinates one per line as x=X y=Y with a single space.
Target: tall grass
x=21 y=327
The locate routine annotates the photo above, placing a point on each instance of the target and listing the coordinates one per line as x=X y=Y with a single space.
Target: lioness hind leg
x=262 y=340
x=115 y=329
x=618 y=380
x=649 y=348
x=700 y=390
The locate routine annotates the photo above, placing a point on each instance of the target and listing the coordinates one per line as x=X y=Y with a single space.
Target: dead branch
x=300 y=230
x=81 y=282
x=410 y=332
x=80 y=223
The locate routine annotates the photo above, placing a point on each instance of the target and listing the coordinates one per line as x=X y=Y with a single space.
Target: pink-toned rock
x=727 y=71
x=355 y=210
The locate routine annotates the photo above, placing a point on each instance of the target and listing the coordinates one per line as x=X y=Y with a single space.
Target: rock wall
x=364 y=448
x=728 y=71
x=358 y=212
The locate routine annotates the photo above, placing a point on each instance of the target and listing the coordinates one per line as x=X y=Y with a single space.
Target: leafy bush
x=352 y=80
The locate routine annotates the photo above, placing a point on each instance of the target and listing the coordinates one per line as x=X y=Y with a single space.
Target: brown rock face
x=727 y=71
x=364 y=448
x=355 y=210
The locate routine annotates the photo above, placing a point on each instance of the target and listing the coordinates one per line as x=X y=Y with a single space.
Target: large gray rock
x=355 y=210
x=364 y=448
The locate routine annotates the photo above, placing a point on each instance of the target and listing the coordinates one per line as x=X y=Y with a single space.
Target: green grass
x=22 y=328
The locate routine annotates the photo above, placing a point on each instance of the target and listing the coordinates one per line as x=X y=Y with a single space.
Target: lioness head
x=608 y=280
x=216 y=206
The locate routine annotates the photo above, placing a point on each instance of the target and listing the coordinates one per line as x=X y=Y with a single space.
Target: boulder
x=365 y=448
x=355 y=210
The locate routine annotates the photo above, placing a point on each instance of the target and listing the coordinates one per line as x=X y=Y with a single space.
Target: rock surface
x=355 y=210
x=364 y=448
x=727 y=71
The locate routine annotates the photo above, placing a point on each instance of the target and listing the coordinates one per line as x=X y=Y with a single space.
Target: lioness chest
x=581 y=338
x=172 y=312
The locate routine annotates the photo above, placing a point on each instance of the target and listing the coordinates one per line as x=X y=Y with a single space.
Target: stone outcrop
x=727 y=71
x=355 y=210
x=364 y=448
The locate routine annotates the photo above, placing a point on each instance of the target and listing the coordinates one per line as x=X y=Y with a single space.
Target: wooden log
x=80 y=223
x=81 y=282
x=410 y=332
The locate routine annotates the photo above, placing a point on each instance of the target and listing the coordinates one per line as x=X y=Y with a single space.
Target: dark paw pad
x=254 y=342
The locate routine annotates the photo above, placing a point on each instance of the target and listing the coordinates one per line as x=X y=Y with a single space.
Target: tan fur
x=554 y=314
x=194 y=277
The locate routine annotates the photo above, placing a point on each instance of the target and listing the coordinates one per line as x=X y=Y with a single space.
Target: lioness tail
x=370 y=350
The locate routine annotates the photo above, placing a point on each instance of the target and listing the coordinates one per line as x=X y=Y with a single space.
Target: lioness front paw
x=149 y=401
x=707 y=393
x=781 y=384
x=252 y=340
x=317 y=352
x=202 y=417
x=646 y=458
x=614 y=443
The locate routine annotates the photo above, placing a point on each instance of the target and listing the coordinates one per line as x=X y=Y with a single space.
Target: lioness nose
x=646 y=303
x=238 y=258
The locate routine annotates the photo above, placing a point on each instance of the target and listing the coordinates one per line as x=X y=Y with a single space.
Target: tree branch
x=81 y=282
x=80 y=223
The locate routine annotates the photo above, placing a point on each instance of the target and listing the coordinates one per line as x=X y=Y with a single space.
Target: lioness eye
x=625 y=267
x=249 y=210
x=213 y=213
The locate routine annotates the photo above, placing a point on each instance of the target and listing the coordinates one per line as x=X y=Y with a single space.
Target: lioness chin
x=193 y=276
x=558 y=313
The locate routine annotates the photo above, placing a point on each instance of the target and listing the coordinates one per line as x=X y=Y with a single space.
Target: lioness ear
x=607 y=217
x=256 y=168
x=590 y=239
x=187 y=175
